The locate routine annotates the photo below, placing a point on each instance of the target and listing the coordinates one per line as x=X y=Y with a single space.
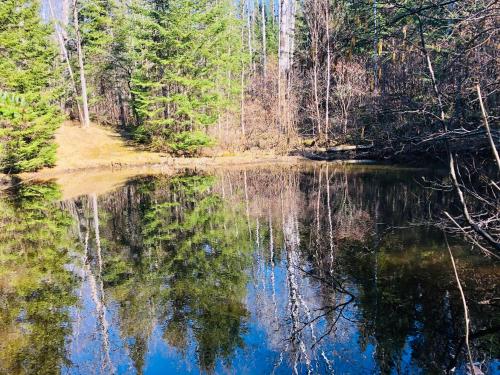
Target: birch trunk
x=60 y=32
x=286 y=46
x=328 y=69
x=242 y=93
x=65 y=18
x=249 y=27
x=264 y=42
x=279 y=71
x=271 y=10
x=83 y=82
x=287 y=31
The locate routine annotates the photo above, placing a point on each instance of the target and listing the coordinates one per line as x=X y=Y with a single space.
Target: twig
x=473 y=240
x=472 y=223
x=464 y=302
x=487 y=126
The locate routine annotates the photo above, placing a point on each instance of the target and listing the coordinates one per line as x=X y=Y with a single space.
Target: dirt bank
x=98 y=148
x=97 y=159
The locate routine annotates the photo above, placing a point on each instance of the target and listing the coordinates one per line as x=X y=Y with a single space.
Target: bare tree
x=287 y=20
x=60 y=33
x=313 y=17
x=264 y=38
x=328 y=69
x=83 y=81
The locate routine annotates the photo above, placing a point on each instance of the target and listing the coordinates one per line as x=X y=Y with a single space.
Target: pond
x=292 y=269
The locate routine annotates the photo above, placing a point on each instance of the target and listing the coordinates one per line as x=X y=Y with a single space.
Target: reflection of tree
x=338 y=226
x=208 y=256
x=36 y=289
x=333 y=275
x=407 y=297
x=186 y=270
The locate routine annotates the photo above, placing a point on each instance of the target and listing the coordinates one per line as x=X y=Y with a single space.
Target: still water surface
x=317 y=269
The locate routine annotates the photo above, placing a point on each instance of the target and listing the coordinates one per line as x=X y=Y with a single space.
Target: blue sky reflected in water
x=329 y=271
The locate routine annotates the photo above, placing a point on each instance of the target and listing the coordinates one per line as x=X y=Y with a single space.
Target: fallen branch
x=484 y=234
x=466 y=310
x=487 y=126
x=342 y=148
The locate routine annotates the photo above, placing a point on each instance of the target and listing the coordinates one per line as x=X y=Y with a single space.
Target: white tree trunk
x=60 y=32
x=65 y=18
x=328 y=69
x=249 y=29
x=287 y=31
x=83 y=81
x=242 y=93
x=375 y=43
x=286 y=46
x=264 y=41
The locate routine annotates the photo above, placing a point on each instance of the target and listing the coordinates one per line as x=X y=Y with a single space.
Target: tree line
x=179 y=76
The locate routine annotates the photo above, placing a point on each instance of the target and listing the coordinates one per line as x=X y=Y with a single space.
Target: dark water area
x=317 y=269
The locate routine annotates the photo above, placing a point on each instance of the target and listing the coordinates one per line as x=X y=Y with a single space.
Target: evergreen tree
x=189 y=53
x=28 y=116
x=97 y=30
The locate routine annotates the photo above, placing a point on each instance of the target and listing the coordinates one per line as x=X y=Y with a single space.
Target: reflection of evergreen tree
x=189 y=273
x=211 y=253
x=35 y=287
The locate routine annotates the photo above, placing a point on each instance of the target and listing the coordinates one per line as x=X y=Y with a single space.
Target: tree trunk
x=65 y=18
x=249 y=27
x=83 y=82
x=286 y=46
x=328 y=68
x=375 y=43
x=60 y=32
x=271 y=10
x=287 y=31
x=264 y=42
x=242 y=93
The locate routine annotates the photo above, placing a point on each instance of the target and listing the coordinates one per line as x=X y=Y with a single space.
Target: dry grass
x=97 y=160
x=75 y=184
x=96 y=147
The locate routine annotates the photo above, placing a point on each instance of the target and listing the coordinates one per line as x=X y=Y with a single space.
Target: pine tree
x=28 y=116
x=189 y=53
x=96 y=30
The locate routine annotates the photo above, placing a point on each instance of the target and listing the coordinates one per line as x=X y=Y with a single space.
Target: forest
x=402 y=81
x=385 y=266
x=408 y=79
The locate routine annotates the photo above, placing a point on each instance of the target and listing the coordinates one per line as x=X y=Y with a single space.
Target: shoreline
x=169 y=163
x=99 y=179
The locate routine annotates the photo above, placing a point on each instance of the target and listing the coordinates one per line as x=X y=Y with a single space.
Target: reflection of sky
x=86 y=346
x=266 y=323
x=263 y=347
x=266 y=335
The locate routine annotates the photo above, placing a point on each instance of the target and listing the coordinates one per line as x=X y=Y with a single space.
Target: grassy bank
x=102 y=149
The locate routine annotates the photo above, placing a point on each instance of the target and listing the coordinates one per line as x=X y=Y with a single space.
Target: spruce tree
x=188 y=53
x=97 y=33
x=28 y=116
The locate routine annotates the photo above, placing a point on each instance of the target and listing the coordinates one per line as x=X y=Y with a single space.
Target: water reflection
x=36 y=287
x=302 y=270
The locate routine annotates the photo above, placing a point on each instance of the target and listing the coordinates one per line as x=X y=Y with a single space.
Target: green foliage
x=97 y=31
x=188 y=54
x=207 y=262
x=28 y=117
x=27 y=127
x=191 y=262
x=36 y=287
